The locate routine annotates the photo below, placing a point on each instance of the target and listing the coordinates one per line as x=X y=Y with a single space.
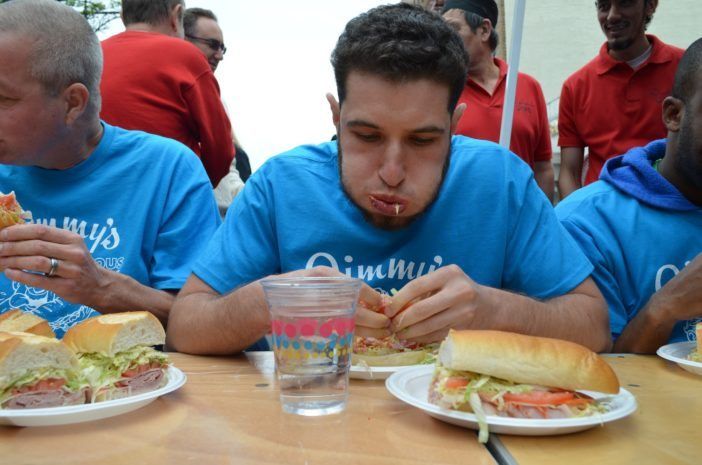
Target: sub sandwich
x=19 y=321
x=38 y=372
x=10 y=211
x=116 y=354
x=513 y=375
x=390 y=350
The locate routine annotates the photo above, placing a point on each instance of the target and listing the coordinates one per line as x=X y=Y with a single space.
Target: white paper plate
x=411 y=385
x=375 y=373
x=88 y=412
x=678 y=353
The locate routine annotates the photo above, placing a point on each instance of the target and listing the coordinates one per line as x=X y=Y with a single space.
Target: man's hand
x=30 y=247
x=369 y=322
x=681 y=297
x=453 y=302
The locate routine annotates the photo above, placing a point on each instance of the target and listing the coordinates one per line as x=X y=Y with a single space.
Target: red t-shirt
x=531 y=138
x=609 y=107
x=164 y=85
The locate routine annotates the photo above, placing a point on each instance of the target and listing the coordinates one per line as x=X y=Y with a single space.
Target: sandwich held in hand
x=19 y=321
x=38 y=372
x=513 y=375
x=10 y=211
x=390 y=351
x=116 y=354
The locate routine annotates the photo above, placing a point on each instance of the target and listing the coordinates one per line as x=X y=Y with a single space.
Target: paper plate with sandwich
x=509 y=383
x=688 y=355
x=104 y=366
x=377 y=358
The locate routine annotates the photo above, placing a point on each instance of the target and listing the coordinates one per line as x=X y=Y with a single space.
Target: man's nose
x=614 y=13
x=392 y=171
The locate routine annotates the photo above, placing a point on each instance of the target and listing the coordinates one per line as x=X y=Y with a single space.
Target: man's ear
x=486 y=28
x=335 y=109
x=650 y=7
x=673 y=109
x=176 y=20
x=76 y=98
x=455 y=118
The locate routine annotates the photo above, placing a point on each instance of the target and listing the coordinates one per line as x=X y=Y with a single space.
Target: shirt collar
x=659 y=54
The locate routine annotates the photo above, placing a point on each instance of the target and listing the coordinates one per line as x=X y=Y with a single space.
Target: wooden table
x=228 y=413
x=666 y=429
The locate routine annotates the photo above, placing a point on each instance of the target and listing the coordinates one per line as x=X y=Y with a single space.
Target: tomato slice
x=455 y=382
x=540 y=397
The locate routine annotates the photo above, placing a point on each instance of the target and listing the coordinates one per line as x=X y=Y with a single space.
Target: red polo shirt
x=609 y=107
x=531 y=139
x=164 y=85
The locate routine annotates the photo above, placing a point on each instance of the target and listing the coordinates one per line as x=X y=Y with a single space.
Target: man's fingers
x=36 y=280
x=450 y=318
x=370 y=298
x=39 y=248
x=422 y=310
x=371 y=319
x=26 y=232
x=371 y=332
x=417 y=288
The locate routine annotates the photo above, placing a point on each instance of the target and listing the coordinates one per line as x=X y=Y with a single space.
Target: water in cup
x=312 y=328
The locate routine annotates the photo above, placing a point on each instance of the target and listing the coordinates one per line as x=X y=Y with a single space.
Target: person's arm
x=204 y=322
x=680 y=299
x=570 y=176
x=543 y=175
x=456 y=301
x=77 y=278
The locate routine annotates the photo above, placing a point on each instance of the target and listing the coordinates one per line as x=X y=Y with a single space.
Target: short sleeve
x=602 y=274
x=568 y=135
x=244 y=248
x=542 y=260
x=190 y=218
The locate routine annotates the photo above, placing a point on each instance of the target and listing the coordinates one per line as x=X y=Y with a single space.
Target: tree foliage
x=98 y=14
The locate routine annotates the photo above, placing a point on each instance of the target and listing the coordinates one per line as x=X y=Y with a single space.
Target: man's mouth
x=616 y=28
x=388 y=205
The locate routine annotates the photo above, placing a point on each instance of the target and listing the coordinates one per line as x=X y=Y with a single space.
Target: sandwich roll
x=116 y=354
x=37 y=372
x=494 y=373
x=528 y=360
x=19 y=321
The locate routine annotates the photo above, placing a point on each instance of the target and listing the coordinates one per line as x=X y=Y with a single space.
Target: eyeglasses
x=214 y=44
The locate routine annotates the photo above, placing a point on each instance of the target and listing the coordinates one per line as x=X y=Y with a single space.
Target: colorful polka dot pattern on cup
x=311 y=338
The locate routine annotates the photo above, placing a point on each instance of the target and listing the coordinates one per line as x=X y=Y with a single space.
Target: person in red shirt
x=156 y=82
x=484 y=92
x=613 y=102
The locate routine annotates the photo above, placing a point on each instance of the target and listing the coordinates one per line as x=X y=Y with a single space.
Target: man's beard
x=688 y=163
x=390 y=223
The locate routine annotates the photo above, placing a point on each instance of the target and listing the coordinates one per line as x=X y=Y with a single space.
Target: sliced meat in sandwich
x=10 y=211
x=116 y=354
x=513 y=375
x=19 y=321
x=38 y=372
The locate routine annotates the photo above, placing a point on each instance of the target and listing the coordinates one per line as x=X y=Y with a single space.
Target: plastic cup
x=312 y=322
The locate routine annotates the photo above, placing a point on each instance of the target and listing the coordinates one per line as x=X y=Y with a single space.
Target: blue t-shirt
x=490 y=218
x=637 y=230
x=142 y=203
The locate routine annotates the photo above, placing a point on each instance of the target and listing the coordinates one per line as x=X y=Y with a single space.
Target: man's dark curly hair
x=401 y=42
